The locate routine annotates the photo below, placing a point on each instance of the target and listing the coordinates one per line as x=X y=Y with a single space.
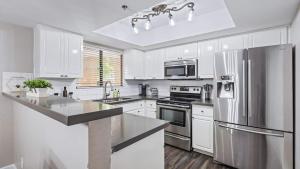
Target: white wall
x=16 y=52
x=295 y=36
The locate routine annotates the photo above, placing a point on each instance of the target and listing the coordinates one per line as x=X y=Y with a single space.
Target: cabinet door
x=139 y=112
x=268 y=37
x=154 y=64
x=151 y=113
x=207 y=50
x=73 y=56
x=233 y=42
x=203 y=133
x=188 y=51
x=172 y=53
x=51 y=53
x=134 y=64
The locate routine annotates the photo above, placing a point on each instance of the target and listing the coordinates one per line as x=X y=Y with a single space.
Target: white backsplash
x=163 y=86
x=130 y=87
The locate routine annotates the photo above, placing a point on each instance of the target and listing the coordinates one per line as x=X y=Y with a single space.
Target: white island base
x=43 y=143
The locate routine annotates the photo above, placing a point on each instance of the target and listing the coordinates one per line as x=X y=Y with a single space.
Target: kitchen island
x=63 y=133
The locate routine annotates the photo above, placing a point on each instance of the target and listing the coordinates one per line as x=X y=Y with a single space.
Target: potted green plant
x=37 y=87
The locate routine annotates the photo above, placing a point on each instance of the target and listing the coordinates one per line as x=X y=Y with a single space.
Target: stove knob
x=197 y=89
x=194 y=89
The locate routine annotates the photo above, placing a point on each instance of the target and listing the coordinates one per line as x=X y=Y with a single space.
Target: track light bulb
x=148 y=24
x=171 y=20
x=191 y=13
x=135 y=29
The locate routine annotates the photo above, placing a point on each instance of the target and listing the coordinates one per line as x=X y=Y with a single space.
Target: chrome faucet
x=105 y=94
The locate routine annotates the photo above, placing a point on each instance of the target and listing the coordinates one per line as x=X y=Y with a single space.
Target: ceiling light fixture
x=162 y=9
x=135 y=29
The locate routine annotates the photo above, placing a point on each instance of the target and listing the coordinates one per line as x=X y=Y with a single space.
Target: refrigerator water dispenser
x=225 y=87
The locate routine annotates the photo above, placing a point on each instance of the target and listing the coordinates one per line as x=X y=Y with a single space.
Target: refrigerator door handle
x=244 y=90
x=253 y=131
x=249 y=88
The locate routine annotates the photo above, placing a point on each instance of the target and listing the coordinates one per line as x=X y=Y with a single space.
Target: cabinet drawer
x=150 y=104
x=202 y=111
x=139 y=112
x=132 y=106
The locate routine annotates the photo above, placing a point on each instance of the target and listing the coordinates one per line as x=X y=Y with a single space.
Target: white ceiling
x=209 y=16
x=85 y=16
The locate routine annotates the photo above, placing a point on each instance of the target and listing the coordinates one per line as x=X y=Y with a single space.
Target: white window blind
x=100 y=65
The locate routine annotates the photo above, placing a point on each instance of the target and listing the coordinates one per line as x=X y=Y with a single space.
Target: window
x=100 y=65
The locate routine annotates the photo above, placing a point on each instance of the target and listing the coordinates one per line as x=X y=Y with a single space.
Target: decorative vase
x=38 y=92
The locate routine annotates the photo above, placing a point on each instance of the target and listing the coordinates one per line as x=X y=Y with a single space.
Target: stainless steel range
x=178 y=110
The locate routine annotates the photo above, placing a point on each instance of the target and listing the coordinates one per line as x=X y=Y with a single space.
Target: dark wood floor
x=180 y=159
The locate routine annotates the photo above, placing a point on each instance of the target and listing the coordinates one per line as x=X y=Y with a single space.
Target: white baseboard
x=12 y=166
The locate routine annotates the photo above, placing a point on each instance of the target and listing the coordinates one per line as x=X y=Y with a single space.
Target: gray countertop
x=128 y=129
x=133 y=98
x=66 y=110
x=203 y=102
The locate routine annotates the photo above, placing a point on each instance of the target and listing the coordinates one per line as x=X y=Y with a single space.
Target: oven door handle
x=171 y=105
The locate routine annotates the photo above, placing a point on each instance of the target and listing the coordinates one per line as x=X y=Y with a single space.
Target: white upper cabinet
x=57 y=54
x=154 y=64
x=172 y=53
x=233 y=42
x=187 y=51
x=207 y=50
x=74 y=58
x=134 y=64
x=268 y=37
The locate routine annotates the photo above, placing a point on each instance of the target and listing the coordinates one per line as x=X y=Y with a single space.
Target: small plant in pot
x=37 y=87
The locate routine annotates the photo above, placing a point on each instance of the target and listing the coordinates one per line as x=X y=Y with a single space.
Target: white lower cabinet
x=150 y=113
x=139 y=112
x=202 y=128
x=146 y=108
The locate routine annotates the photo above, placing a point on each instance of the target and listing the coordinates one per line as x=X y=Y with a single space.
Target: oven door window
x=175 y=71
x=175 y=117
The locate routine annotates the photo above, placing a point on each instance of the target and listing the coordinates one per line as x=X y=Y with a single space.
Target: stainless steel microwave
x=181 y=69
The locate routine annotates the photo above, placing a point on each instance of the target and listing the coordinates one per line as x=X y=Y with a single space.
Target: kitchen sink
x=113 y=100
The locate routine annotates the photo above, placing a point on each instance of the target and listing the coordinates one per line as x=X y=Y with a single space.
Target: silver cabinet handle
x=249 y=89
x=252 y=131
x=171 y=135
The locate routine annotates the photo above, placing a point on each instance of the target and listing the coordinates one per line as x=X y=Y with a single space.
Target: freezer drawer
x=250 y=148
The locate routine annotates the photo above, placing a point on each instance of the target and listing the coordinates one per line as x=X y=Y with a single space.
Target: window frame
x=101 y=81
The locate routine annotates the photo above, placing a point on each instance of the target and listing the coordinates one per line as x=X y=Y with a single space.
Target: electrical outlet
x=22 y=163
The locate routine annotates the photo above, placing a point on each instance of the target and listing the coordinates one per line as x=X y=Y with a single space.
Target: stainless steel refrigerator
x=253 y=108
